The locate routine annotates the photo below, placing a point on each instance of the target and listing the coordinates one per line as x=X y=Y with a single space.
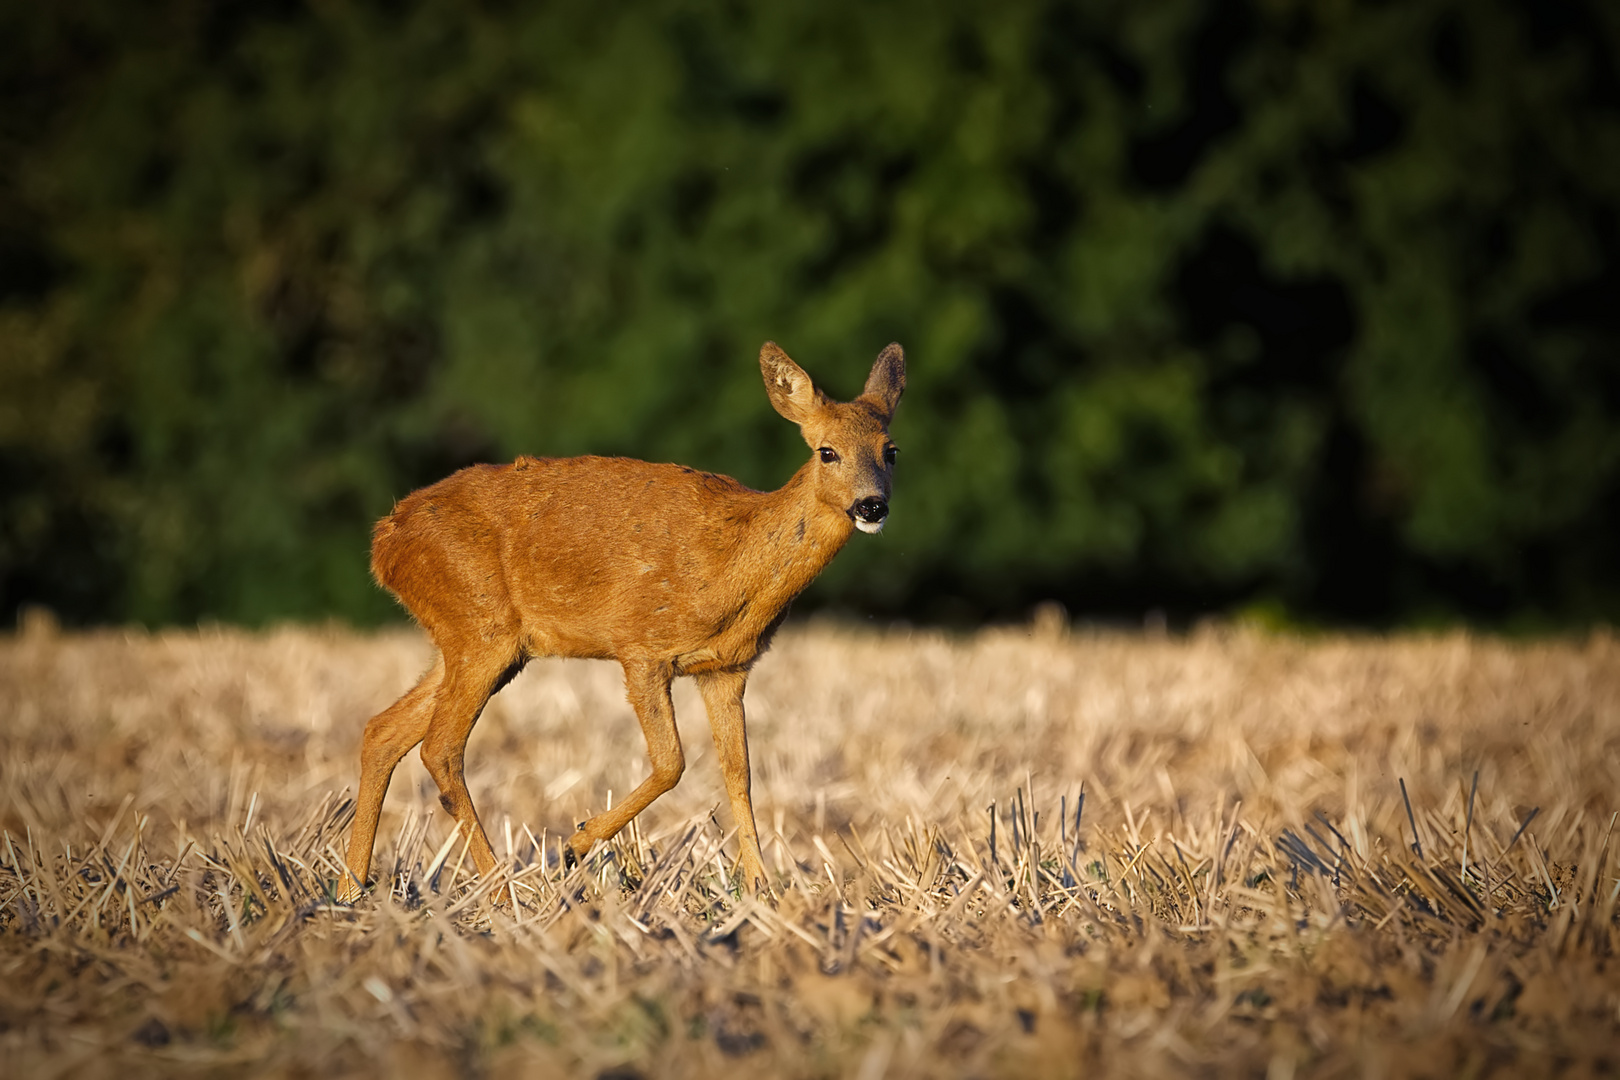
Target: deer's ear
x=791 y=391
x=888 y=379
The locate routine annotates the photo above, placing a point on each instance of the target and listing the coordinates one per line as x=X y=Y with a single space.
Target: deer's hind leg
x=469 y=682
x=389 y=737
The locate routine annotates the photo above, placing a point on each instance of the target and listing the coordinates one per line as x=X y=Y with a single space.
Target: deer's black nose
x=873 y=508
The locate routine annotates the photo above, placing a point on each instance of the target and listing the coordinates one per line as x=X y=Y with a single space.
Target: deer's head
x=854 y=465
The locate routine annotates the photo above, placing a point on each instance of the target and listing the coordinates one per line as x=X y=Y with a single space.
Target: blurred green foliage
x=1301 y=304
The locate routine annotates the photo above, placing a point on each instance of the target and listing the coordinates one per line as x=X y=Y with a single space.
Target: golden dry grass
x=1241 y=894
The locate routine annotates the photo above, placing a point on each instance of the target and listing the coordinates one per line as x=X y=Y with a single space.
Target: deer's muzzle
x=869 y=513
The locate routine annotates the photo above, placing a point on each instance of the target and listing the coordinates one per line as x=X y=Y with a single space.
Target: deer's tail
x=387 y=548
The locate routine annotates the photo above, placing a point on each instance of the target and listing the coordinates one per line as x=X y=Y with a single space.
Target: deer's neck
x=796 y=536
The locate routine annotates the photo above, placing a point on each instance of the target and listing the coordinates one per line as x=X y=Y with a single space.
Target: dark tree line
x=1307 y=306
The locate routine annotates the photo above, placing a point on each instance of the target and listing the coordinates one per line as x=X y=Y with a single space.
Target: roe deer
x=668 y=570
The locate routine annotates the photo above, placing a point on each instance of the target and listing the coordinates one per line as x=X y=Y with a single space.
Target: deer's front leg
x=647 y=684
x=723 y=696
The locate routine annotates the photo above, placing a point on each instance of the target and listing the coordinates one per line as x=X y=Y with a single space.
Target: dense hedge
x=1304 y=305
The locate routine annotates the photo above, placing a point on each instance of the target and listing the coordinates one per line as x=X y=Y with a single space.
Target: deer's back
x=575 y=556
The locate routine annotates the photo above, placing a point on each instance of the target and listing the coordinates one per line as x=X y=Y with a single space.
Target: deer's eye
x=828 y=455
x=890 y=453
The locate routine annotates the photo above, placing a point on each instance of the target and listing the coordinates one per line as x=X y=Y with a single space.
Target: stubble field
x=1239 y=892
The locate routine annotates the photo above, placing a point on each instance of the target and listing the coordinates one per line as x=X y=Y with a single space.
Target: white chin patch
x=873 y=527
